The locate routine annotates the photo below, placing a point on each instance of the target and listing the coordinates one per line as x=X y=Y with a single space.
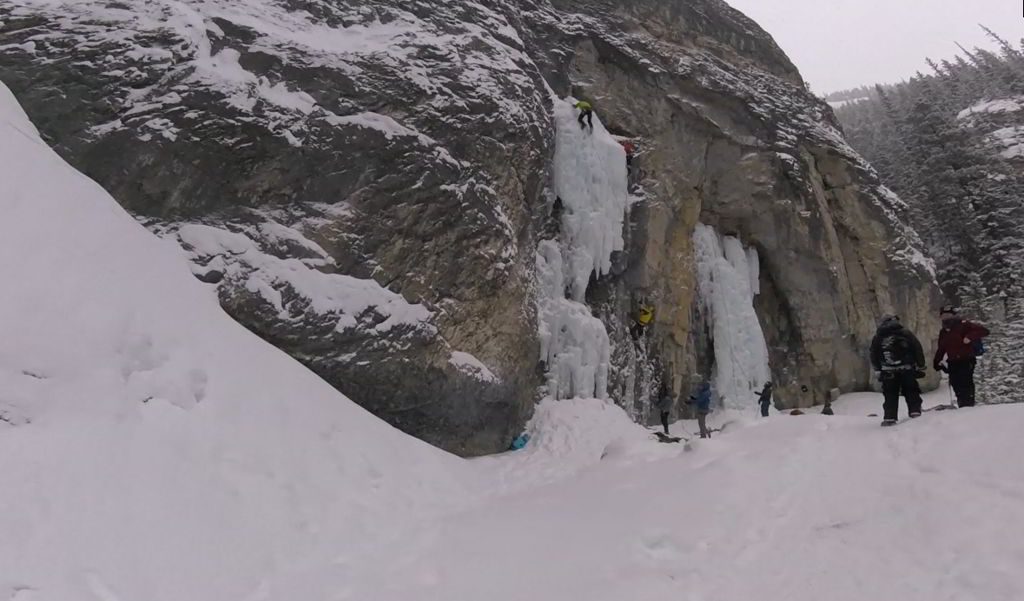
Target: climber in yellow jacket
x=586 y=112
x=644 y=318
x=645 y=315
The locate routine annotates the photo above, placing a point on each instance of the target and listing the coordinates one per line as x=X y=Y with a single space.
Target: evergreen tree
x=966 y=194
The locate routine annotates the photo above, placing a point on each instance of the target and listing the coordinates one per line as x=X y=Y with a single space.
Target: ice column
x=589 y=173
x=728 y=276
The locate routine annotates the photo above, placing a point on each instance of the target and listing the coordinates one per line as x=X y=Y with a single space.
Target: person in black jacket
x=898 y=359
x=764 y=398
x=664 y=405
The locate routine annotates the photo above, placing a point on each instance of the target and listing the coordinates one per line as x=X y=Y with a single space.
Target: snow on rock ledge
x=1000 y=105
x=469 y=364
x=349 y=299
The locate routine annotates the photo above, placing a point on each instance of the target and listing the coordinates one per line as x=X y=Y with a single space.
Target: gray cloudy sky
x=839 y=44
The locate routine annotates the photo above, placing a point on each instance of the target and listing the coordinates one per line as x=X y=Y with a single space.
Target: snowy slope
x=151 y=447
x=786 y=509
x=244 y=117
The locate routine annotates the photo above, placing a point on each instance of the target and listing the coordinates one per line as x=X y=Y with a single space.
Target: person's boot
x=914 y=414
x=888 y=422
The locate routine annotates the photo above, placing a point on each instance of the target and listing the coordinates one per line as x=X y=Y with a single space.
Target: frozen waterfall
x=728 y=277
x=590 y=179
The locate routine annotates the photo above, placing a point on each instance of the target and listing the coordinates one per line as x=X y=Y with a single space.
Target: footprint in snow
x=660 y=546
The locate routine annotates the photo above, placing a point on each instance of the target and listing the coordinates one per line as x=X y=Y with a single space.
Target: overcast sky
x=839 y=44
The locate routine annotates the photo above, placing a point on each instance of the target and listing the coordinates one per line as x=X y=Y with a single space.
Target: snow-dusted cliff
x=150 y=444
x=370 y=185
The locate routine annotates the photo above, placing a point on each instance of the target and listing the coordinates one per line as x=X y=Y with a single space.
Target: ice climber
x=702 y=401
x=898 y=358
x=586 y=112
x=644 y=318
x=645 y=315
x=764 y=398
x=630 y=149
x=959 y=343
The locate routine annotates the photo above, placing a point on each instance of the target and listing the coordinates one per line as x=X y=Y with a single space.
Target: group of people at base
x=899 y=362
x=699 y=400
x=896 y=354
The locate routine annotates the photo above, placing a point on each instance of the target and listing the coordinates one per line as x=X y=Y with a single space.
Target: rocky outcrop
x=366 y=184
x=730 y=137
x=408 y=146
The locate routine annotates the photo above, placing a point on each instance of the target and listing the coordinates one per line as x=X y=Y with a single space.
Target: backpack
x=895 y=352
x=978 y=346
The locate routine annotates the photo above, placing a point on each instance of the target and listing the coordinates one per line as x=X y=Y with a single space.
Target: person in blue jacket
x=702 y=402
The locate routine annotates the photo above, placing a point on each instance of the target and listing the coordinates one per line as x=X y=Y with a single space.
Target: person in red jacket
x=957 y=340
x=630 y=149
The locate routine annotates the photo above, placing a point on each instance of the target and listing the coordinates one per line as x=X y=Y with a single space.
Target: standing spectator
x=898 y=358
x=764 y=398
x=702 y=400
x=959 y=344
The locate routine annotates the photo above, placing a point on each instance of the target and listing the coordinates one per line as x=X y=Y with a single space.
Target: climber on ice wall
x=630 y=149
x=586 y=112
x=643 y=318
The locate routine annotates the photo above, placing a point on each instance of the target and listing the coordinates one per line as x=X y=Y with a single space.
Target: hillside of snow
x=784 y=509
x=151 y=447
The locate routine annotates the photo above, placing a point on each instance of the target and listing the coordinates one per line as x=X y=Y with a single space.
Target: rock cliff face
x=367 y=183
x=731 y=138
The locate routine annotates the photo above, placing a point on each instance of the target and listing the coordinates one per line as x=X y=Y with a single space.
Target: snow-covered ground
x=786 y=508
x=153 y=449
